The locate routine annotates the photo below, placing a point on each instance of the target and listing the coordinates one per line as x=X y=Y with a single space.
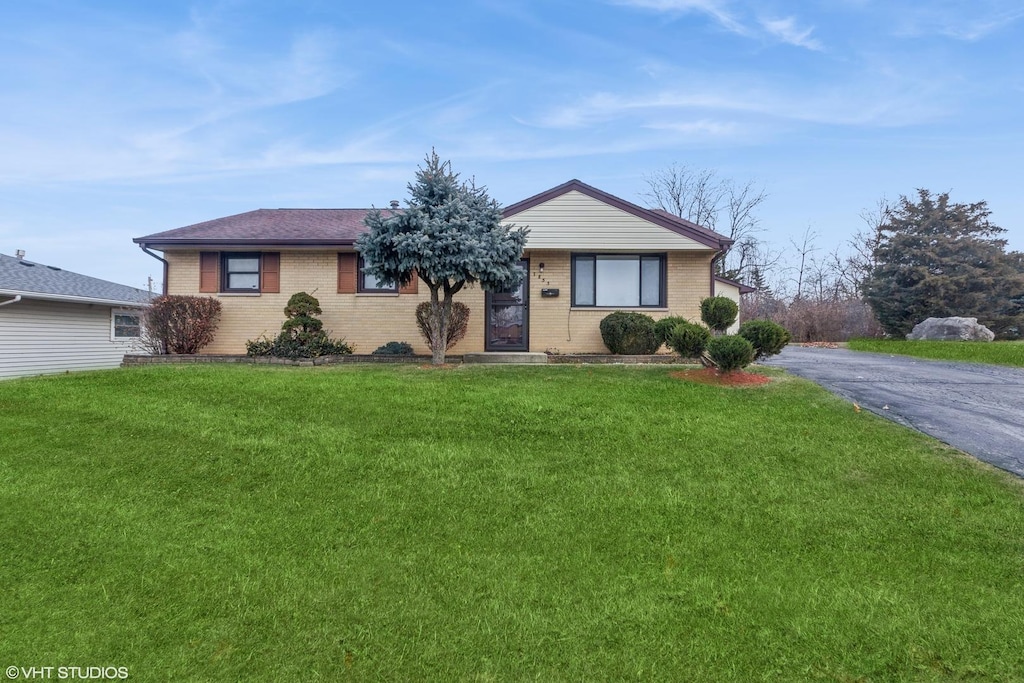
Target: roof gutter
x=142 y=246
x=68 y=298
x=16 y=299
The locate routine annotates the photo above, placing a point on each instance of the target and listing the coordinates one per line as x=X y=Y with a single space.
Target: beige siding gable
x=581 y=223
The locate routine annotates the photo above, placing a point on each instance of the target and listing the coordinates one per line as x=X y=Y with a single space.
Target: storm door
x=507 y=324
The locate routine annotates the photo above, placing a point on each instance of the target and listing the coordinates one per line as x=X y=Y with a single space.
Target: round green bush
x=663 y=328
x=718 y=312
x=394 y=348
x=767 y=337
x=731 y=352
x=689 y=339
x=629 y=333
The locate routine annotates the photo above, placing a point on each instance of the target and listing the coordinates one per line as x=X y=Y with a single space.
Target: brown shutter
x=270 y=275
x=347 y=268
x=413 y=286
x=209 y=271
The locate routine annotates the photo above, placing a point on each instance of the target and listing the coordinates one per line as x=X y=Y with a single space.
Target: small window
x=241 y=272
x=370 y=284
x=618 y=280
x=125 y=325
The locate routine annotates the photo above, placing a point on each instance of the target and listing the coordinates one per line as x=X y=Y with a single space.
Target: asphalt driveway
x=976 y=408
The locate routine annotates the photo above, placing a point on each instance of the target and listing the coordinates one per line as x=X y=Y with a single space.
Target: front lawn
x=519 y=523
x=996 y=353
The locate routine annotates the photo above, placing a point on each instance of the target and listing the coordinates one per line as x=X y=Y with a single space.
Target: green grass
x=995 y=353
x=554 y=523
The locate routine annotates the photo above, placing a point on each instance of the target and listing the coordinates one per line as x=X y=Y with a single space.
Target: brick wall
x=368 y=320
x=558 y=328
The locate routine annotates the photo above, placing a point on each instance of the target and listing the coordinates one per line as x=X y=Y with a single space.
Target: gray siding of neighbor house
x=43 y=337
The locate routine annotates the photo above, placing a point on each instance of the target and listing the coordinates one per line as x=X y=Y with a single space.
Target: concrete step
x=505 y=357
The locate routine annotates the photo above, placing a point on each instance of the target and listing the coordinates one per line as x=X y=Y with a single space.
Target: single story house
x=53 y=320
x=588 y=253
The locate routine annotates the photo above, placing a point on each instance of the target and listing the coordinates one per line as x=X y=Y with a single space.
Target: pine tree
x=449 y=235
x=938 y=259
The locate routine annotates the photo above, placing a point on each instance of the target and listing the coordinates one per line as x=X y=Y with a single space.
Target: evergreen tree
x=449 y=235
x=938 y=259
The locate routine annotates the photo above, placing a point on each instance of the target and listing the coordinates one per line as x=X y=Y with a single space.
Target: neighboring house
x=53 y=320
x=734 y=290
x=588 y=254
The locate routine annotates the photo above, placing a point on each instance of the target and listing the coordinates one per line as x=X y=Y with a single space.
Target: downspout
x=714 y=259
x=158 y=258
x=16 y=299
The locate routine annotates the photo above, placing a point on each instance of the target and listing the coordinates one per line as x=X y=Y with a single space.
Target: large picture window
x=618 y=280
x=368 y=283
x=241 y=272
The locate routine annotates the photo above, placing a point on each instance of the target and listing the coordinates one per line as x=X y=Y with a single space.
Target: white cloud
x=716 y=9
x=788 y=32
x=958 y=20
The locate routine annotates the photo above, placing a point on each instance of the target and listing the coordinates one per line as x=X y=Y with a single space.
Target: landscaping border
x=561 y=359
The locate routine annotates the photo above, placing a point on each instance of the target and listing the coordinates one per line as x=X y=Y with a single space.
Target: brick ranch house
x=588 y=254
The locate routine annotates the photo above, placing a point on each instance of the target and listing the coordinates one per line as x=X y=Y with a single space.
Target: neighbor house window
x=241 y=272
x=369 y=283
x=618 y=280
x=125 y=325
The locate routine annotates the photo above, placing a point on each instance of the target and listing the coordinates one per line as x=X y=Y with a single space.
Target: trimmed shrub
x=302 y=333
x=718 y=312
x=663 y=328
x=458 y=323
x=689 y=339
x=181 y=324
x=394 y=348
x=768 y=338
x=629 y=333
x=730 y=352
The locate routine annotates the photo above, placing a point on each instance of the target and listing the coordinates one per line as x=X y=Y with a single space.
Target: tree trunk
x=438 y=327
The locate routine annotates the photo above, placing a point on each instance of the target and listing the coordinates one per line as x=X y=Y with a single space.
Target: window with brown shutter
x=209 y=271
x=347 y=273
x=270 y=277
x=413 y=286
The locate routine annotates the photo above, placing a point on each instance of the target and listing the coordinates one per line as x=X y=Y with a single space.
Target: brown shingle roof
x=269 y=226
x=341 y=227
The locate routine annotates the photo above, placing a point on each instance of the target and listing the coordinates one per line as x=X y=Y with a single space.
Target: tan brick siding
x=368 y=320
x=556 y=326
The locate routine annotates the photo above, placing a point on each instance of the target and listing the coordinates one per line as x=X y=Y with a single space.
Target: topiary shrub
x=663 y=328
x=302 y=333
x=768 y=338
x=180 y=324
x=730 y=352
x=629 y=333
x=718 y=312
x=689 y=339
x=394 y=348
x=458 y=322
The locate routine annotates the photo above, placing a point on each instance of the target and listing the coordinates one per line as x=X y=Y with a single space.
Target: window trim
x=225 y=275
x=135 y=313
x=662 y=275
x=361 y=288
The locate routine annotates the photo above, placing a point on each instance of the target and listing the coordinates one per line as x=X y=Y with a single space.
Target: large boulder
x=951 y=329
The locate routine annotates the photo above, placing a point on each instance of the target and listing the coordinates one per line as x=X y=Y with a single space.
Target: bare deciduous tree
x=723 y=205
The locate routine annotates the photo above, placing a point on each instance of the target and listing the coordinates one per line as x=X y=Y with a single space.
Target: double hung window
x=241 y=272
x=370 y=284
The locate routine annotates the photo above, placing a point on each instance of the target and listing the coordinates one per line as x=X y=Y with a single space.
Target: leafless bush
x=181 y=324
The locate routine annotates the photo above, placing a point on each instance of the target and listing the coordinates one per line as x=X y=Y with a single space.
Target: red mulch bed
x=715 y=378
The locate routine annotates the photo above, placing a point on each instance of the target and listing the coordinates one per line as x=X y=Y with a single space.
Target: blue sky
x=120 y=119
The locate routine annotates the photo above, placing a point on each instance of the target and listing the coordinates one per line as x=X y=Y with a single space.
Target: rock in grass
x=951 y=329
